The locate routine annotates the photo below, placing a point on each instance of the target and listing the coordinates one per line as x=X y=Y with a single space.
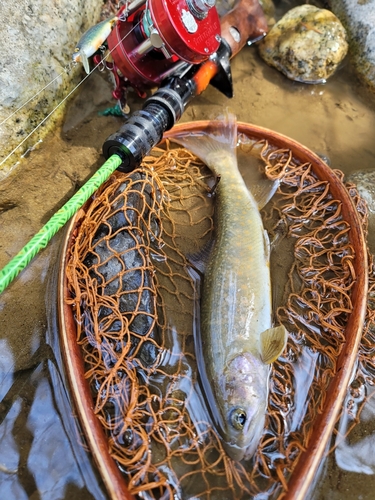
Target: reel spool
x=155 y=39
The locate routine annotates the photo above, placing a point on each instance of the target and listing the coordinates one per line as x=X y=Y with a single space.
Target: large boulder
x=358 y=17
x=38 y=39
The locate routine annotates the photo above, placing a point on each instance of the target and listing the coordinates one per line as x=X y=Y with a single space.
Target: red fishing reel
x=154 y=39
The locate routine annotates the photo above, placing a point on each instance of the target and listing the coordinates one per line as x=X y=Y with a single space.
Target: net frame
x=330 y=325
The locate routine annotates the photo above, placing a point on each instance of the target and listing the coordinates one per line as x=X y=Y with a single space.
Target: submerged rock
x=307 y=44
x=39 y=38
x=358 y=17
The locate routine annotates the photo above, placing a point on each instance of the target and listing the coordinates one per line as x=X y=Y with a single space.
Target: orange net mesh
x=133 y=298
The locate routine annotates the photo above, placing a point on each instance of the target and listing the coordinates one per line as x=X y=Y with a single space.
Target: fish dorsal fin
x=220 y=135
x=272 y=343
x=85 y=61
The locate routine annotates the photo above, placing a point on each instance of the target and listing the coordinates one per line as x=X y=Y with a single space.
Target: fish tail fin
x=220 y=135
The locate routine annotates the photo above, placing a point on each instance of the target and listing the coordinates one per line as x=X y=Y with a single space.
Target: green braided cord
x=56 y=222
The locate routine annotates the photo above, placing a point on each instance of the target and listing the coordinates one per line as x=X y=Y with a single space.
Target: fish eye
x=238 y=418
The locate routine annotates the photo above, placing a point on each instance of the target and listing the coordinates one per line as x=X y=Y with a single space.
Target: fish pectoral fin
x=272 y=343
x=85 y=62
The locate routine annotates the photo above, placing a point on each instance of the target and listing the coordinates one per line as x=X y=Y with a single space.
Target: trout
x=237 y=341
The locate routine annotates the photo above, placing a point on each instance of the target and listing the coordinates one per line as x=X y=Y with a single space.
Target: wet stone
x=90 y=259
x=102 y=231
x=148 y=353
x=117 y=221
x=110 y=269
x=365 y=182
x=146 y=296
x=306 y=45
x=132 y=280
x=128 y=302
x=121 y=241
x=133 y=258
x=104 y=312
x=141 y=324
x=358 y=17
x=112 y=288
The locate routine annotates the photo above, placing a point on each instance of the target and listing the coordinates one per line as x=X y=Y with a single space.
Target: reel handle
x=245 y=22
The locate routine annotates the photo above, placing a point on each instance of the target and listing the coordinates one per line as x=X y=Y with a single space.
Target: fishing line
x=65 y=98
x=65 y=70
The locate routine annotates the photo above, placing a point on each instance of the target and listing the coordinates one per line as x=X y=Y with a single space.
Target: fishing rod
x=126 y=148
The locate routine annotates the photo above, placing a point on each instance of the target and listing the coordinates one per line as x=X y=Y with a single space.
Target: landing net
x=134 y=291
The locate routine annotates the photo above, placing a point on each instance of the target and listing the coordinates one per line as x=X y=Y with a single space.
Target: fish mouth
x=234 y=451
x=245 y=452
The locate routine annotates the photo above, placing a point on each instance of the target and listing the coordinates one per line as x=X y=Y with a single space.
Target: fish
x=236 y=341
x=91 y=40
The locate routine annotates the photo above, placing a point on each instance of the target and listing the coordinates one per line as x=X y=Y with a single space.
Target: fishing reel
x=155 y=39
x=181 y=47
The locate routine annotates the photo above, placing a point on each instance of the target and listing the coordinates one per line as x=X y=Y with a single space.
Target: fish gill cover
x=134 y=297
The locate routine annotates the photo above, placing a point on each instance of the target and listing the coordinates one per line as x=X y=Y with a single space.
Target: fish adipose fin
x=219 y=136
x=272 y=343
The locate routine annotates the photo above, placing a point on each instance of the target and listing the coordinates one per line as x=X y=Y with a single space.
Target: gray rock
x=365 y=182
x=307 y=44
x=358 y=17
x=38 y=40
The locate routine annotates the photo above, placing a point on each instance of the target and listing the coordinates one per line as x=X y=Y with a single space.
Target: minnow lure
x=90 y=42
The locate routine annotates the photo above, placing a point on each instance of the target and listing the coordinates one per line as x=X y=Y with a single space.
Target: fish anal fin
x=252 y=169
x=264 y=191
x=272 y=343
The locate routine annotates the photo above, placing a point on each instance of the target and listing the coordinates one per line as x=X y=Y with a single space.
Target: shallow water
x=40 y=454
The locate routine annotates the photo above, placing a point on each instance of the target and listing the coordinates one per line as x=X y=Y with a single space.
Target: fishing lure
x=90 y=41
